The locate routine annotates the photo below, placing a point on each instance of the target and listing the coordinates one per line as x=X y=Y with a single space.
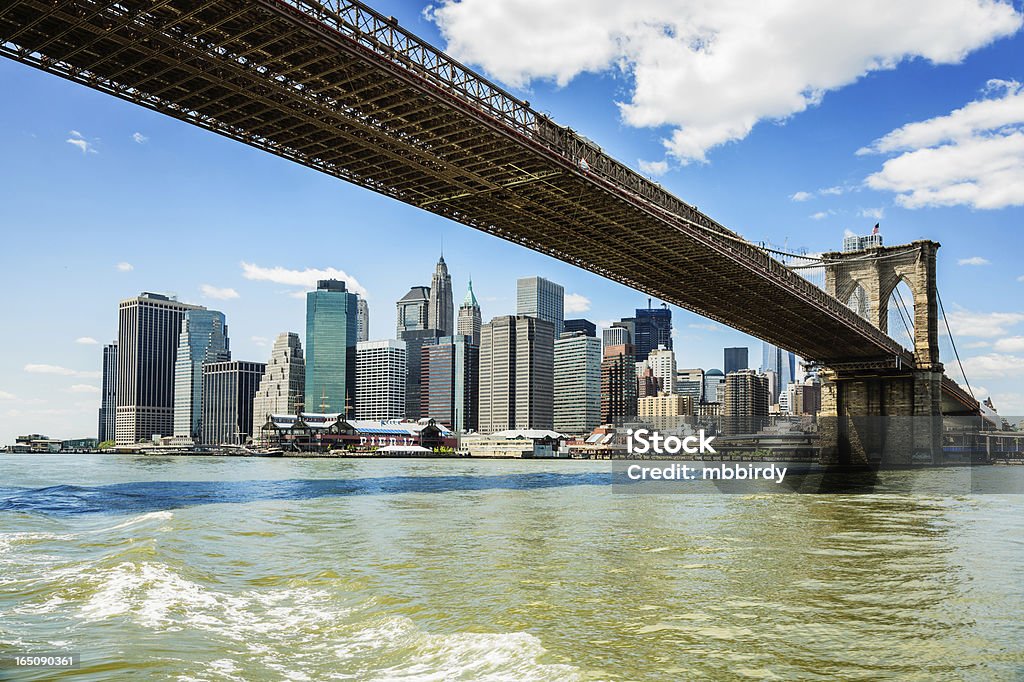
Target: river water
x=252 y=569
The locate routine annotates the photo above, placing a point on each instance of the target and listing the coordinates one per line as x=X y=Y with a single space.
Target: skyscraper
x=469 y=316
x=228 y=392
x=577 y=397
x=516 y=374
x=713 y=380
x=618 y=384
x=745 y=402
x=450 y=382
x=203 y=340
x=543 y=299
x=148 y=328
x=619 y=334
x=381 y=368
x=662 y=362
x=690 y=382
x=363 y=320
x=580 y=325
x=441 y=308
x=283 y=386
x=108 y=393
x=783 y=363
x=413 y=310
x=415 y=340
x=735 y=360
x=331 y=327
x=653 y=329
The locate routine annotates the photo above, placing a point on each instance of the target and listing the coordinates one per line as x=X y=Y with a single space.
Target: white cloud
x=125 y=267
x=706 y=326
x=973 y=156
x=994 y=366
x=301 y=278
x=139 y=138
x=259 y=340
x=653 y=167
x=1009 y=404
x=873 y=213
x=83 y=388
x=62 y=371
x=973 y=260
x=974 y=345
x=222 y=294
x=741 y=62
x=1021 y=278
x=820 y=215
x=86 y=341
x=801 y=196
x=1012 y=344
x=576 y=303
x=831 y=191
x=4 y=395
x=982 y=325
x=77 y=140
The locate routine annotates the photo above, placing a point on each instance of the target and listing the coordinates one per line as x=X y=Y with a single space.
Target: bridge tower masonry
x=885 y=411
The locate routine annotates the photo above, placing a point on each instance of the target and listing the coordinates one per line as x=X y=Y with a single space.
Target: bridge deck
x=348 y=92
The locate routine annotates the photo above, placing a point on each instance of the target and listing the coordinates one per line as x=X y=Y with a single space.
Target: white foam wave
x=267 y=623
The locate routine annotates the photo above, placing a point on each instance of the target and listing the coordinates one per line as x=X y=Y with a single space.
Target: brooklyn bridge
x=347 y=91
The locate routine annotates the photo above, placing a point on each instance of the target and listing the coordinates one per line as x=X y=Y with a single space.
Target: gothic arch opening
x=859 y=302
x=901 y=314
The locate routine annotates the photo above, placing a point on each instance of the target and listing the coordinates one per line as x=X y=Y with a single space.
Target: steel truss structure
x=343 y=89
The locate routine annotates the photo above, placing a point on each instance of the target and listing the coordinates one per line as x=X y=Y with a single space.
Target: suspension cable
x=900 y=305
x=949 y=332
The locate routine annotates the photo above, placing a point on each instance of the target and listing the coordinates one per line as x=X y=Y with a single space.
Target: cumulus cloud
x=139 y=138
x=576 y=303
x=801 y=196
x=219 y=293
x=301 y=278
x=873 y=213
x=1013 y=344
x=820 y=215
x=78 y=140
x=62 y=371
x=86 y=341
x=740 y=62
x=994 y=366
x=982 y=325
x=653 y=167
x=831 y=191
x=125 y=267
x=973 y=156
x=973 y=260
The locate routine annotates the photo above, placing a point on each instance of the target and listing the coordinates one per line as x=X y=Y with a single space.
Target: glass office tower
x=203 y=340
x=332 y=315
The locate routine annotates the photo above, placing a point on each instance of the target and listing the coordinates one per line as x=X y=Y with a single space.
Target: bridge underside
x=347 y=92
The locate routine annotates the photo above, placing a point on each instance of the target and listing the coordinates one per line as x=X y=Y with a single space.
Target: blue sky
x=758 y=120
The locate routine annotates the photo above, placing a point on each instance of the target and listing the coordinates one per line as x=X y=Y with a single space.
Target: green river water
x=213 y=568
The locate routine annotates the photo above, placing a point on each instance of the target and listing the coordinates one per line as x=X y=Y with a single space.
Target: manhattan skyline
x=108 y=200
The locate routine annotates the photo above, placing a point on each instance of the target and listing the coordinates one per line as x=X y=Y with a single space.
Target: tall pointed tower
x=469 y=316
x=441 y=312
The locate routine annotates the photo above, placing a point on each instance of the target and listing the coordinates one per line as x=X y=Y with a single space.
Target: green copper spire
x=470 y=300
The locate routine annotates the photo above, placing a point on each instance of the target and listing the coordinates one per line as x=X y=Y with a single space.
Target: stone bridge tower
x=886 y=411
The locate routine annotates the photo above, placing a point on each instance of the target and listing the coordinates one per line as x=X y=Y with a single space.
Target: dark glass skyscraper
x=331 y=331
x=415 y=340
x=586 y=326
x=450 y=382
x=652 y=328
x=108 y=393
x=736 y=359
